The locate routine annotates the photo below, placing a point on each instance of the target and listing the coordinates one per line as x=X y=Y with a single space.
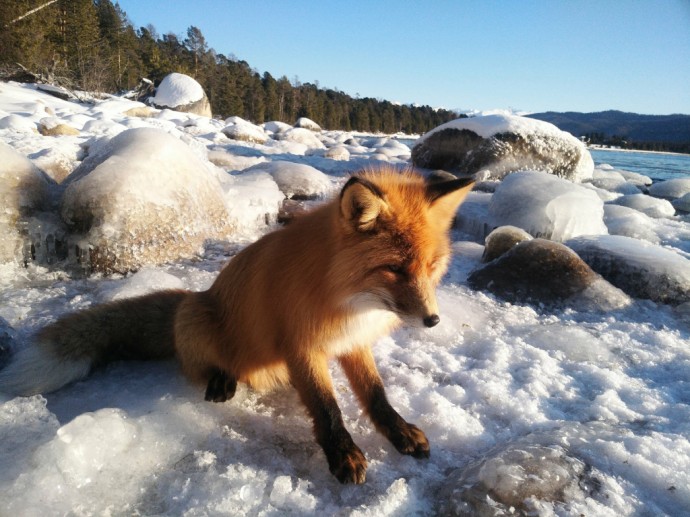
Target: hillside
x=617 y=125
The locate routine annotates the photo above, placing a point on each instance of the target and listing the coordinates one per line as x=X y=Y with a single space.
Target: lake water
x=658 y=166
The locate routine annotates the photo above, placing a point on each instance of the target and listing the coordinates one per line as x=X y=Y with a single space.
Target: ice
x=302 y=136
x=547 y=206
x=144 y=281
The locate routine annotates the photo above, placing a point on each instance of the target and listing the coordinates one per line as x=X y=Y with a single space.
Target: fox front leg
x=361 y=371
x=311 y=378
x=221 y=386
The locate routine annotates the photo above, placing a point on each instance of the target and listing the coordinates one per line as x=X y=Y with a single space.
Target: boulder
x=639 y=268
x=24 y=191
x=180 y=92
x=245 y=131
x=297 y=180
x=501 y=240
x=547 y=206
x=143 y=197
x=53 y=127
x=648 y=205
x=495 y=145
x=682 y=204
x=307 y=123
x=671 y=189
x=538 y=271
x=301 y=136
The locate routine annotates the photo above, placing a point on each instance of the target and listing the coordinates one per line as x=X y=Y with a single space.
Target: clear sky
x=548 y=55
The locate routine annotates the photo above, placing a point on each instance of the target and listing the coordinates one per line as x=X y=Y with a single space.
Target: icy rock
x=671 y=189
x=307 y=123
x=607 y=171
x=253 y=200
x=495 y=145
x=245 y=131
x=639 y=268
x=302 y=136
x=547 y=206
x=511 y=480
x=501 y=240
x=53 y=127
x=24 y=191
x=297 y=180
x=338 y=152
x=182 y=93
x=57 y=162
x=621 y=220
x=144 y=197
x=682 y=204
x=275 y=126
x=473 y=215
x=233 y=162
x=537 y=271
x=648 y=205
x=619 y=186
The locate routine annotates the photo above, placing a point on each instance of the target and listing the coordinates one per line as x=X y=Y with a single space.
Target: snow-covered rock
x=19 y=123
x=24 y=190
x=245 y=131
x=297 y=180
x=182 y=93
x=301 y=136
x=637 y=179
x=682 y=204
x=622 y=220
x=307 y=123
x=547 y=206
x=639 y=268
x=276 y=126
x=143 y=198
x=671 y=189
x=337 y=152
x=648 y=205
x=50 y=126
x=496 y=145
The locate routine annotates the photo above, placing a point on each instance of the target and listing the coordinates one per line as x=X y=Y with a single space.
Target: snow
x=581 y=411
x=671 y=189
x=494 y=124
x=177 y=90
x=653 y=207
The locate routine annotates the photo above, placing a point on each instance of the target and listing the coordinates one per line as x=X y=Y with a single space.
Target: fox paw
x=348 y=465
x=411 y=440
x=221 y=387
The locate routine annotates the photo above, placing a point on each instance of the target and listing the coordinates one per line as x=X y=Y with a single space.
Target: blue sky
x=550 y=55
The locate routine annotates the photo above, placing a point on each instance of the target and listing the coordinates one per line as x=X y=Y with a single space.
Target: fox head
x=395 y=246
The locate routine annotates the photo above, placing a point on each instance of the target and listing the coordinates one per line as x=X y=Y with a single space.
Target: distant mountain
x=628 y=126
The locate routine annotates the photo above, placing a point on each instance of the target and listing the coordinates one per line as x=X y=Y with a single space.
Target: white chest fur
x=366 y=324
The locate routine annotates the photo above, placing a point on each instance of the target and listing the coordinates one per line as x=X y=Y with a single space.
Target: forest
x=91 y=45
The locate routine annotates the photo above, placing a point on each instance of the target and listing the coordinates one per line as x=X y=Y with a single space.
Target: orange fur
x=328 y=285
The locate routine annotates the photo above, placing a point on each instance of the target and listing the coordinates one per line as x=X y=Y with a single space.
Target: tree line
x=92 y=45
x=600 y=138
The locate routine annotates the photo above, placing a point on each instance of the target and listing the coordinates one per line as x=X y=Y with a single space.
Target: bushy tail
x=67 y=350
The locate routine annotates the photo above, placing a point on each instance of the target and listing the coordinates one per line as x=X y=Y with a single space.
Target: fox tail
x=69 y=349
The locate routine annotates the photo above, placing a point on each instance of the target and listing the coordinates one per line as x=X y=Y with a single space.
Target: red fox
x=327 y=285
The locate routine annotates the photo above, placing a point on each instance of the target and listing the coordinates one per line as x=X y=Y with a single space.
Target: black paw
x=221 y=387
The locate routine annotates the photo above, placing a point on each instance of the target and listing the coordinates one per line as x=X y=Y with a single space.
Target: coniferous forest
x=91 y=45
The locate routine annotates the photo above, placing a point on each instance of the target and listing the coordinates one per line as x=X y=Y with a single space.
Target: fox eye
x=394 y=268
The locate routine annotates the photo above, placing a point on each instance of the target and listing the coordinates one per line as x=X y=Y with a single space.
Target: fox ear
x=362 y=203
x=446 y=196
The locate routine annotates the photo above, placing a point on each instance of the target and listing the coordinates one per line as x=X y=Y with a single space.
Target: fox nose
x=432 y=321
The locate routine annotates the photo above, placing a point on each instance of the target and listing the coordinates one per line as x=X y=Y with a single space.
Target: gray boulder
x=496 y=145
x=180 y=92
